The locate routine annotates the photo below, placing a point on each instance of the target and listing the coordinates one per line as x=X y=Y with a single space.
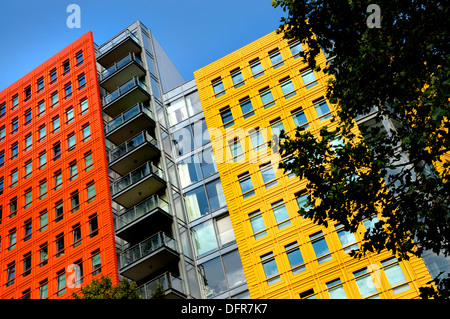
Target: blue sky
x=194 y=33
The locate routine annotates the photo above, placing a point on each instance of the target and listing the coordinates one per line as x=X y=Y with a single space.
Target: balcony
x=133 y=153
x=149 y=256
x=172 y=285
x=118 y=47
x=136 y=119
x=132 y=92
x=145 y=218
x=121 y=71
x=134 y=187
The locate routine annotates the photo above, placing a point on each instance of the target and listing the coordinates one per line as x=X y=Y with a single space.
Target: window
x=96 y=263
x=257 y=223
x=27 y=230
x=13 y=207
x=79 y=57
x=196 y=203
x=308 y=294
x=59 y=245
x=299 y=118
x=270 y=268
x=233 y=269
x=59 y=211
x=395 y=275
x=296 y=48
x=266 y=97
x=205 y=240
x=14 y=177
x=2 y=184
x=86 y=132
x=93 y=225
x=81 y=81
x=74 y=201
x=190 y=171
x=27 y=116
x=90 y=190
x=346 y=238
x=15 y=101
x=276 y=58
x=84 y=106
x=287 y=87
x=41 y=133
x=14 y=125
x=302 y=201
x=200 y=132
x=193 y=103
x=66 y=67
x=268 y=175
x=88 y=162
x=227 y=117
x=43 y=255
x=183 y=140
x=309 y=78
x=2 y=158
x=71 y=141
x=336 y=289
x=256 y=67
x=322 y=109
x=320 y=247
x=69 y=115
x=43 y=221
x=55 y=124
x=236 y=150
x=28 y=142
x=177 y=112
x=281 y=214
x=10 y=274
x=12 y=237
x=76 y=235
x=53 y=75
x=60 y=282
x=365 y=283
x=225 y=230
x=43 y=289
x=27 y=293
x=41 y=108
x=40 y=84
x=257 y=140
x=67 y=90
x=246 y=107
x=57 y=177
x=56 y=151
x=237 y=78
x=28 y=197
x=208 y=162
x=215 y=195
x=2 y=133
x=42 y=189
x=215 y=280
x=295 y=258
x=277 y=127
x=42 y=159
x=2 y=109
x=73 y=172
x=218 y=87
x=246 y=185
x=54 y=99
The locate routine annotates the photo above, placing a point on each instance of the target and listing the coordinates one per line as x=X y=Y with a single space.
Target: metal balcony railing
x=126 y=116
x=135 y=176
x=146 y=248
x=122 y=90
x=117 y=40
x=131 y=145
x=118 y=65
x=167 y=281
x=140 y=210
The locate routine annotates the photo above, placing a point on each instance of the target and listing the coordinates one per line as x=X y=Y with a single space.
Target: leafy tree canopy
x=103 y=289
x=398 y=166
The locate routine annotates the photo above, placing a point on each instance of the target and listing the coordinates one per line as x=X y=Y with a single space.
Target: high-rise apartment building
x=248 y=97
x=112 y=164
x=56 y=225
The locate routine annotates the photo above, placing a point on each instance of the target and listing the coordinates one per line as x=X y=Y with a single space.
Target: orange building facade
x=56 y=225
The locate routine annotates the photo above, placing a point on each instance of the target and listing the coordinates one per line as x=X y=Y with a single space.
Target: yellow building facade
x=248 y=97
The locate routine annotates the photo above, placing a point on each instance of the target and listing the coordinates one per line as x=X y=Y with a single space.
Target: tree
x=103 y=289
x=399 y=71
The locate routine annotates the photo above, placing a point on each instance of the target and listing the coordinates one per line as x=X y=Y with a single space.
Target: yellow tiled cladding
x=284 y=255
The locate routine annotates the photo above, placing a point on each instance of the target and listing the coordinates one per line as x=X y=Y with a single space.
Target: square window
x=86 y=132
x=281 y=214
x=276 y=58
x=27 y=116
x=67 y=90
x=295 y=258
x=299 y=117
x=257 y=140
x=236 y=150
x=84 y=107
x=14 y=125
x=41 y=108
x=69 y=115
x=268 y=175
x=41 y=133
x=270 y=268
x=246 y=107
x=54 y=99
x=256 y=67
x=246 y=185
x=336 y=289
x=257 y=223
x=79 y=57
x=27 y=93
x=296 y=48
x=59 y=211
x=88 y=162
x=81 y=81
x=90 y=189
x=287 y=87
x=58 y=180
x=237 y=78
x=73 y=172
x=322 y=109
x=218 y=87
x=93 y=225
x=227 y=117
x=53 y=75
x=40 y=84
x=15 y=101
x=66 y=67
x=309 y=79
x=320 y=247
x=266 y=97
x=71 y=141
